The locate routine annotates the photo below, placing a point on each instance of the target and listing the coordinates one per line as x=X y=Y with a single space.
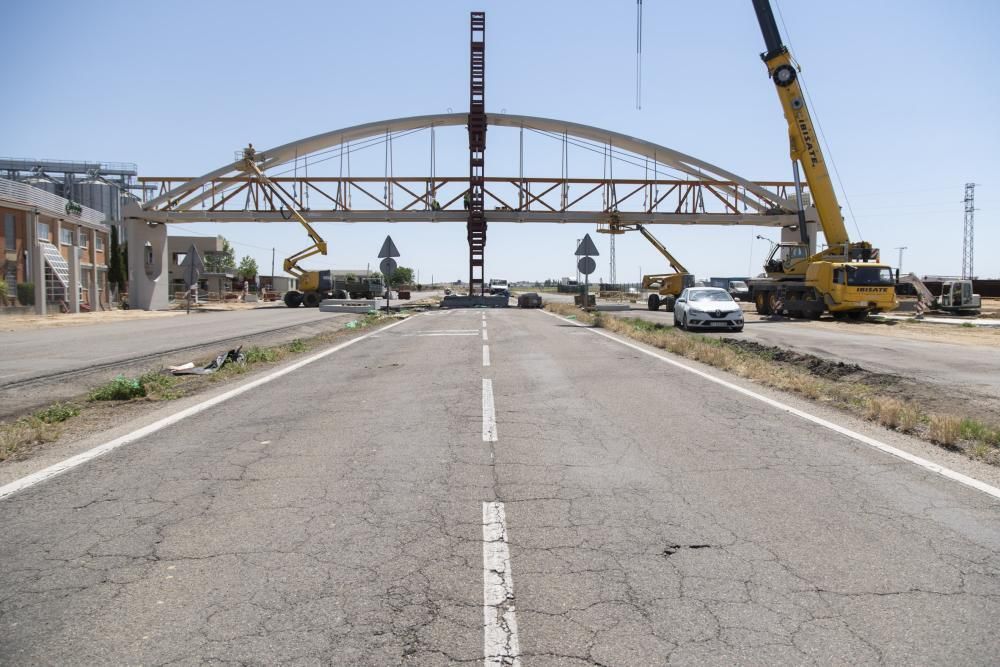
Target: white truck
x=498 y=286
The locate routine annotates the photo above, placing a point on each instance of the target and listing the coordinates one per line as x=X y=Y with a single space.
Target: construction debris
x=235 y=356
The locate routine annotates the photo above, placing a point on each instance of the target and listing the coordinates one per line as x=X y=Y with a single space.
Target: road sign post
x=192 y=267
x=388 y=265
x=586 y=265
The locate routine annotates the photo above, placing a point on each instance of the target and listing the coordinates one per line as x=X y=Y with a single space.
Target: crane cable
x=638 y=55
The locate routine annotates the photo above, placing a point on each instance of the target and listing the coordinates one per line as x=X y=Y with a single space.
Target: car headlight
x=698 y=313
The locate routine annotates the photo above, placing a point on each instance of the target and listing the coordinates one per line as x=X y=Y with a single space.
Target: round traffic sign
x=586 y=265
x=387 y=266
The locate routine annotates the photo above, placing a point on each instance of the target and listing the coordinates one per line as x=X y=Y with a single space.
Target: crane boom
x=318 y=247
x=803 y=141
x=674 y=264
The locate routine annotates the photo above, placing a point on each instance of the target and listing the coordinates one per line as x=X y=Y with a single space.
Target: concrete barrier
x=456 y=301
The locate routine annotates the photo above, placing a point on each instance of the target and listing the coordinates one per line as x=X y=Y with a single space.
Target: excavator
x=956 y=296
x=845 y=279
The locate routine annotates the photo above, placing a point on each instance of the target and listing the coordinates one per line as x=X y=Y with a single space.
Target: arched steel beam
x=189 y=195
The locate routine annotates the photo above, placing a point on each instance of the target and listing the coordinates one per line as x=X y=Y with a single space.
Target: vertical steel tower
x=968 y=239
x=476 y=225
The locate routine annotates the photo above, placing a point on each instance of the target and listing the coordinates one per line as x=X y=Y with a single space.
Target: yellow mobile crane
x=846 y=278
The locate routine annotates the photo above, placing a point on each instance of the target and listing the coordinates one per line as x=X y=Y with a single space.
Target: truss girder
x=594 y=196
x=191 y=193
x=461 y=216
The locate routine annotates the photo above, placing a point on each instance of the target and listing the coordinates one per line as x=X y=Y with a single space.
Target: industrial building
x=178 y=248
x=95 y=185
x=69 y=270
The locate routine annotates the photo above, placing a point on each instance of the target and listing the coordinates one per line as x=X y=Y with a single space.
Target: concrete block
x=456 y=301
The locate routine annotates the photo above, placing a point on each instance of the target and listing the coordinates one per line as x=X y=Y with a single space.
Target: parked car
x=707 y=308
x=529 y=300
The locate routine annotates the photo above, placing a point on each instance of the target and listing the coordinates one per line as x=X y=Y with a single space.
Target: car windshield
x=869 y=275
x=709 y=295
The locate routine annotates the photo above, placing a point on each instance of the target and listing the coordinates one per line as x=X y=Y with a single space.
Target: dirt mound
x=825 y=368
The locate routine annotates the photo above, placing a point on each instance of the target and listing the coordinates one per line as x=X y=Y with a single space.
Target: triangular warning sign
x=388 y=248
x=587 y=247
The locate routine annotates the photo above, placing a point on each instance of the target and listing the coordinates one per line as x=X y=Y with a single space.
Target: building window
x=66 y=236
x=43 y=231
x=84 y=239
x=100 y=244
x=8 y=232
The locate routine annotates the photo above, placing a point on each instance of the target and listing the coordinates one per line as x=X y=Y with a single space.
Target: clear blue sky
x=906 y=92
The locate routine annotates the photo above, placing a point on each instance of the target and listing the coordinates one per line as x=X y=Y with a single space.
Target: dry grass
x=892 y=413
x=981 y=441
x=24 y=433
x=944 y=430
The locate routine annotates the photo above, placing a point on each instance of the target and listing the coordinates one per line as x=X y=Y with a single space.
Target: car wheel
x=653 y=303
x=740 y=330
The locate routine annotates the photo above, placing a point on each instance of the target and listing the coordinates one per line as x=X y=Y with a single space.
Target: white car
x=707 y=308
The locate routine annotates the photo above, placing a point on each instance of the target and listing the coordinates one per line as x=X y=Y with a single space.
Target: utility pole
x=613 y=269
x=578 y=268
x=899 y=266
x=968 y=239
x=272 y=269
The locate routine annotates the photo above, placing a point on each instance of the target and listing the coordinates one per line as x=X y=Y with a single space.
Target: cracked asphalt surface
x=335 y=516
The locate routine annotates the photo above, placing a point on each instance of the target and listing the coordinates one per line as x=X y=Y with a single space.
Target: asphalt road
x=34 y=352
x=971 y=366
x=573 y=502
x=30 y=353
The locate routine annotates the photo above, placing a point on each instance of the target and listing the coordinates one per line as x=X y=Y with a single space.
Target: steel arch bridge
x=682 y=190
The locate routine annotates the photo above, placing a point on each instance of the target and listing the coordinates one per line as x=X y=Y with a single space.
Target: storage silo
x=43 y=182
x=98 y=194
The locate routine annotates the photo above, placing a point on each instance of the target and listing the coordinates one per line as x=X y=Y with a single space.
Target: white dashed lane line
x=489 y=415
x=486 y=355
x=500 y=643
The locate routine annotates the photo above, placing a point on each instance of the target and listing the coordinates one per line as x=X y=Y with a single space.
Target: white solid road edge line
x=489 y=415
x=854 y=435
x=486 y=355
x=500 y=643
x=138 y=434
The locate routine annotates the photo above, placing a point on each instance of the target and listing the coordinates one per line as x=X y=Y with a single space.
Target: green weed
x=58 y=412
